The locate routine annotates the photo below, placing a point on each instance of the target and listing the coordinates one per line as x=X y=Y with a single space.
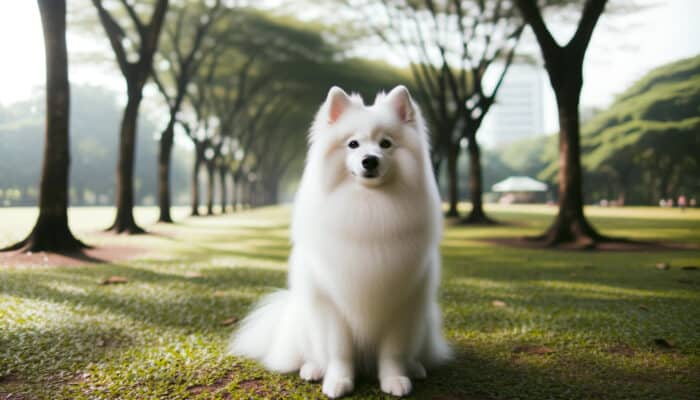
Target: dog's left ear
x=338 y=101
x=400 y=100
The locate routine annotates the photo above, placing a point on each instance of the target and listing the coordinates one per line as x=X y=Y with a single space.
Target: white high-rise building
x=518 y=112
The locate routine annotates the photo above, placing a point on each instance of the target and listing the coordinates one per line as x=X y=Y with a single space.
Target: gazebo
x=520 y=189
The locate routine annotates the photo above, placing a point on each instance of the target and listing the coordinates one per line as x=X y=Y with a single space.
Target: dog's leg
x=396 y=353
x=335 y=334
x=393 y=374
x=400 y=347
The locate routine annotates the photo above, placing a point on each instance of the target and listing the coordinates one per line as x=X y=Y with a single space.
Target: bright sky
x=623 y=49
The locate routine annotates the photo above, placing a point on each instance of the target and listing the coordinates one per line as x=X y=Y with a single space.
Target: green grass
x=161 y=335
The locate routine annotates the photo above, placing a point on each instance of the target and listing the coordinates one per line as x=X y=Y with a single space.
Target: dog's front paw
x=396 y=385
x=310 y=372
x=337 y=386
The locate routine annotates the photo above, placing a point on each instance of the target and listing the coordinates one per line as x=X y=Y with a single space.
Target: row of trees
x=643 y=148
x=451 y=47
x=239 y=83
x=236 y=81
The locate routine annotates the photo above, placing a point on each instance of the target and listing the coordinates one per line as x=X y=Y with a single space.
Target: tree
x=451 y=46
x=564 y=65
x=51 y=231
x=190 y=28
x=136 y=74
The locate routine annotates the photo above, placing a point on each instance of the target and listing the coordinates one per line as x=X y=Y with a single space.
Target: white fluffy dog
x=365 y=265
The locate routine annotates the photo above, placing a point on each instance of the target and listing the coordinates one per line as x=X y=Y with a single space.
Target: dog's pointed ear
x=338 y=101
x=400 y=100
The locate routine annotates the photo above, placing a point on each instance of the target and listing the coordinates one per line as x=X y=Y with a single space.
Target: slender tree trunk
x=273 y=193
x=477 y=214
x=124 y=221
x=210 y=187
x=135 y=73
x=223 y=174
x=237 y=192
x=452 y=181
x=437 y=165
x=164 y=155
x=51 y=231
x=198 y=158
x=243 y=194
x=253 y=194
x=234 y=192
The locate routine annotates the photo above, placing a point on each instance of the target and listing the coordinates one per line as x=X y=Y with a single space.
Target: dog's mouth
x=370 y=174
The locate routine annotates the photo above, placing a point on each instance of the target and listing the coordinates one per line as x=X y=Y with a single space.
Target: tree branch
x=592 y=10
x=115 y=34
x=531 y=13
x=134 y=17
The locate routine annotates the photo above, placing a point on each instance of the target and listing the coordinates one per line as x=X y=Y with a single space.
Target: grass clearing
x=525 y=323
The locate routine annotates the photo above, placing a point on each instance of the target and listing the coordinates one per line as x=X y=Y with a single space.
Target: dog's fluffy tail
x=270 y=335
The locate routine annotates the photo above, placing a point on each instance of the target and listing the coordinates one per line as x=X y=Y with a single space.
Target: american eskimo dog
x=365 y=264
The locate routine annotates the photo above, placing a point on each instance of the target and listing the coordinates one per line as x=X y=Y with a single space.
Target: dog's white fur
x=365 y=265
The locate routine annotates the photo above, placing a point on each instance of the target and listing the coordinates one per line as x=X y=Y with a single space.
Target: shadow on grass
x=57 y=349
x=167 y=300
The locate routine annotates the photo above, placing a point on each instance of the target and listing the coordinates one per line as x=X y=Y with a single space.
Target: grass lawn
x=525 y=324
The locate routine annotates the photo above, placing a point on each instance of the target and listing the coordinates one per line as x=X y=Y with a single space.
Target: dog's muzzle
x=371 y=166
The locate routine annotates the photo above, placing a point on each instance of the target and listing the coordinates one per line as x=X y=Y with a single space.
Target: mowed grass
x=525 y=324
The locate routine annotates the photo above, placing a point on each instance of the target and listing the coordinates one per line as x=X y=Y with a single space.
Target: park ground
x=524 y=323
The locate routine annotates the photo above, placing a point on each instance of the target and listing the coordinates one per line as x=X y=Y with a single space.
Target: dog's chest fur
x=371 y=247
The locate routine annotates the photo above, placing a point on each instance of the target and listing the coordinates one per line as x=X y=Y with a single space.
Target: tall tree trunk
x=564 y=67
x=164 y=155
x=124 y=221
x=253 y=194
x=452 y=181
x=570 y=225
x=437 y=165
x=51 y=231
x=273 y=193
x=135 y=73
x=234 y=192
x=196 y=168
x=210 y=187
x=477 y=214
x=243 y=194
x=223 y=174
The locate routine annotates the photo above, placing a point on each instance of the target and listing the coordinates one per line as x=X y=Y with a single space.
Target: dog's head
x=377 y=144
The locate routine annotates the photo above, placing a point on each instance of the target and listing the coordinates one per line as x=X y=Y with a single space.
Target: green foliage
x=276 y=63
x=162 y=334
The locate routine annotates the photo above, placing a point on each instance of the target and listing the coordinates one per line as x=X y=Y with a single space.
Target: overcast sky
x=622 y=50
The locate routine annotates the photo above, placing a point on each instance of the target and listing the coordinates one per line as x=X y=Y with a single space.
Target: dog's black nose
x=370 y=163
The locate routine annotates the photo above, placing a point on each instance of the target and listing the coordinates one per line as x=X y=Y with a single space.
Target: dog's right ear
x=338 y=101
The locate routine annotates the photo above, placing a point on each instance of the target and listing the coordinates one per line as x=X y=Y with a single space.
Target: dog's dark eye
x=353 y=144
x=385 y=143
